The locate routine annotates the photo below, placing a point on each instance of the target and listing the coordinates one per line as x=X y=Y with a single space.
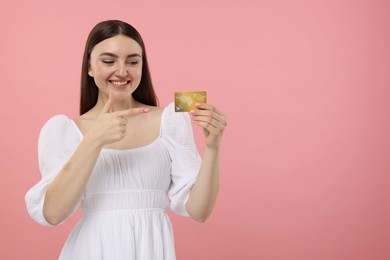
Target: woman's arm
x=205 y=191
x=66 y=189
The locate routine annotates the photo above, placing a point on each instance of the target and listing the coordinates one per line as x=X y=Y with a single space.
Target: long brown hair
x=89 y=91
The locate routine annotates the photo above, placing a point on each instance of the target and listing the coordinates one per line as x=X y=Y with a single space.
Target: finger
x=132 y=111
x=210 y=128
x=212 y=115
x=120 y=121
x=205 y=106
x=209 y=120
x=123 y=122
x=108 y=106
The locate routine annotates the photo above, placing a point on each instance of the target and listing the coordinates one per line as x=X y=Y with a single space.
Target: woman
x=123 y=157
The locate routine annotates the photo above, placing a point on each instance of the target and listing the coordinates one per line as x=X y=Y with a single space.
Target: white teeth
x=119 y=83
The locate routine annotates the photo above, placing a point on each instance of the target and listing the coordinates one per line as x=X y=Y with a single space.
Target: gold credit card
x=185 y=101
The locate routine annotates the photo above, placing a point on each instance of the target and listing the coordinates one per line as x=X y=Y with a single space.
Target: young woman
x=124 y=158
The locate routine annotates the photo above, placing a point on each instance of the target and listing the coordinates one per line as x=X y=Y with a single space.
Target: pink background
x=305 y=85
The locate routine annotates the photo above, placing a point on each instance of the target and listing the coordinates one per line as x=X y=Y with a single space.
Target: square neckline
x=81 y=135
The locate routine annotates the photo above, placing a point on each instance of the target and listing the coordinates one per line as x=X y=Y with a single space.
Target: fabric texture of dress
x=126 y=199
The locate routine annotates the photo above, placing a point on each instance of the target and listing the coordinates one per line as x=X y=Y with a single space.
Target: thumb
x=108 y=106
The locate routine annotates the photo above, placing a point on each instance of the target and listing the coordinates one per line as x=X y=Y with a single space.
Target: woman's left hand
x=213 y=122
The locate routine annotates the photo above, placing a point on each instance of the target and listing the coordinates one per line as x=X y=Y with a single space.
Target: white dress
x=125 y=202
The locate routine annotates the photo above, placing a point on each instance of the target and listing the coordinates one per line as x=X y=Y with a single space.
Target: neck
x=118 y=103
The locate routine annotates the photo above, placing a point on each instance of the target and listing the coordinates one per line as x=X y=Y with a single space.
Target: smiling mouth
x=119 y=83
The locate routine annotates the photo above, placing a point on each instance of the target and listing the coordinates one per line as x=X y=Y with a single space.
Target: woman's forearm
x=68 y=186
x=205 y=191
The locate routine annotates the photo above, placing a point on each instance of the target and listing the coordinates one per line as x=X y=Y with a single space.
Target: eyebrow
x=115 y=56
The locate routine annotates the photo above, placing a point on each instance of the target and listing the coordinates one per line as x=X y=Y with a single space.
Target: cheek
x=140 y=73
x=101 y=75
x=136 y=73
x=101 y=72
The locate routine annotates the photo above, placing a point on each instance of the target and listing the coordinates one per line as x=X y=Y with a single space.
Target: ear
x=90 y=71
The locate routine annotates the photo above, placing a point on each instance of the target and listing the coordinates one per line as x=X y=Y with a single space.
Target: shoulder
x=175 y=124
x=176 y=130
x=155 y=112
x=58 y=127
x=175 y=117
x=57 y=121
x=152 y=118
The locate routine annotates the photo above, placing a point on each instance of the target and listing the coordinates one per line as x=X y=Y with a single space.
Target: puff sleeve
x=57 y=142
x=185 y=160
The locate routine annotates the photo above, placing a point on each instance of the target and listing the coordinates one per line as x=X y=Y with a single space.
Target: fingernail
x=198 y=104
x=192 y=111
x=146 y=110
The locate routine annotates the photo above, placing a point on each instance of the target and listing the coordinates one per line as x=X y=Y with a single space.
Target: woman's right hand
x=111 y=126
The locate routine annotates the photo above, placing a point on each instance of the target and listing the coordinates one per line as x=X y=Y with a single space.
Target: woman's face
x=116 y=66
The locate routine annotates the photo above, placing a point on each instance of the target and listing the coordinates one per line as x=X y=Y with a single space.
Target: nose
x=122 y=70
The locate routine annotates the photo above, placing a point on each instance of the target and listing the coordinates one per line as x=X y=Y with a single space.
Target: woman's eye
x=133 y=62
x=109 y=62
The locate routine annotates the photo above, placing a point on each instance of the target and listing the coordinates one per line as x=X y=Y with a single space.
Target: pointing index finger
x=132 y=111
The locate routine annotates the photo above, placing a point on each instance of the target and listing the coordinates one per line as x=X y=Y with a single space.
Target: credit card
x=185 y=101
